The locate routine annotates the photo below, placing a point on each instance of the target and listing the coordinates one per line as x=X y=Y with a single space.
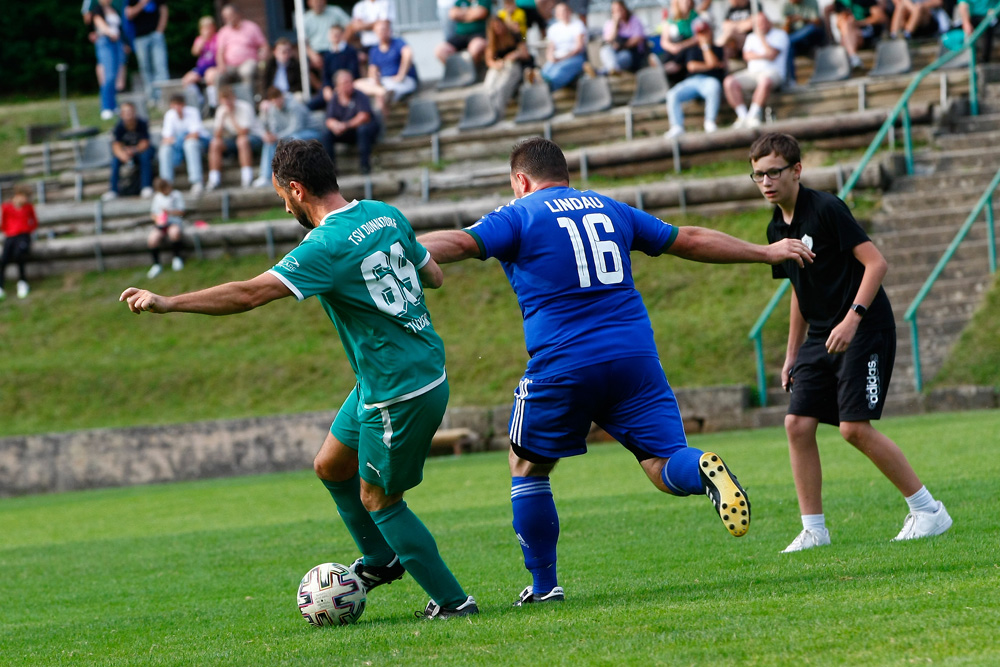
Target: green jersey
x=361 y=262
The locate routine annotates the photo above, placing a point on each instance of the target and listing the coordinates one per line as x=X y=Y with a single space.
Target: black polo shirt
x=827 y=287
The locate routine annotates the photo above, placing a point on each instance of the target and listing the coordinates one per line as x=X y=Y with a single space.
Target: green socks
x=359 y=523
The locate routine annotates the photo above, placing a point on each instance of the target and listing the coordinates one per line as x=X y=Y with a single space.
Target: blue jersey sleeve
x=307 y=270
x=497 y=234
x=652 y=236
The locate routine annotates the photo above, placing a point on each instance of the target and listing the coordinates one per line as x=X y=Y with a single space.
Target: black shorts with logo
x=846 y=387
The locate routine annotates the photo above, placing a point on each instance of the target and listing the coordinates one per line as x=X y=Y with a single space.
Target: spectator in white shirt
x=363 y=17
x=183 y=137
x=567 y=49
x=765 y=52
x=236 y=131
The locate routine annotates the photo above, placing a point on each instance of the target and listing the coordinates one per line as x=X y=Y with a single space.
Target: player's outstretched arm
x=225 y=299
x=431 y=275
x=711 y=246
x=450 y=245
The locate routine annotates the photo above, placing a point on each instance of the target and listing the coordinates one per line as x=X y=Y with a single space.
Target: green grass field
x=205 y=573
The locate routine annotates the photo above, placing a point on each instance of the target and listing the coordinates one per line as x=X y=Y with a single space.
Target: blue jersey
x=566 y=255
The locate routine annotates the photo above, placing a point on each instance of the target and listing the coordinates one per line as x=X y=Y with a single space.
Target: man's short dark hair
x=784 y=145
x=177 y=98
x=307 y=163
x=540 y=159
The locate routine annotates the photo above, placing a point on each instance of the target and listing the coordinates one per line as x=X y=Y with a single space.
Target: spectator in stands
x=361 y=29
x=17 y=222
x=506 y=58
x=340 y=55
x=970 y=14
x=183 y=137
x=918 y=18
x=537 y=12
x=391 y=72
x=468 y=25
x=676 y=35
x=149 y=20
x=205 y=71
x=167 y=212
x=108 y=44
x=735 y=28
x=765 y=51
x=241 y=45
x=349 y=120
x=515 y=17
x=317 y=23
x=860 y=23
x=88 y=10
x=283 y=117
x=705 y=67
x=624 y=47
x=131 y=145
x=804 y=25
x=236 y=130
x=566 y=52
x=281 y=70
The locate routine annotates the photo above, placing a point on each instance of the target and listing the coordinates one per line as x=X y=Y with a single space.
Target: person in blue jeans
x=282 y=117
x=567 y=49
x=804 y=25
x=131 y=144
x=149 y=18
x=705 y=65
x=110 y=55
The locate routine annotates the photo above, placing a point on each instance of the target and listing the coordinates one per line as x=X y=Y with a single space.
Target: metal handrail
x=900 y=109
x=986 y=201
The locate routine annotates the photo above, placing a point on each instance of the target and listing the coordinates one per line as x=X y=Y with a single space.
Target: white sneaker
x=753 y=121
x=177 y=264
x=196 y=189
x=212 y=186
x=808 y=539
x=673 y=132
x=740 y=123
x=146 y=192
x=924 y=524
x=109 y=195
x=710 y=126
x=22 y=289
x=107 y=114
x=261 y=182
x=154 y=271
x=3 y=295
x=856 y=62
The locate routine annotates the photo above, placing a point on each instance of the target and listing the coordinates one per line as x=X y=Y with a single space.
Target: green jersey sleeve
x=307 y=270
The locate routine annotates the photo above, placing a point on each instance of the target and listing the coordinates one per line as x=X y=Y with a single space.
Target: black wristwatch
x=859 y=309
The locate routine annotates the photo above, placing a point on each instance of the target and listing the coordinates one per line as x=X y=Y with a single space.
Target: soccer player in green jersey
x=363 y=263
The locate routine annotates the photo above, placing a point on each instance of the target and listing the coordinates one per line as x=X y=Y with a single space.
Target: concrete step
x=982 y=123
x=968 y=140
x=931 y=229
x=896 y=203
x=960 y=160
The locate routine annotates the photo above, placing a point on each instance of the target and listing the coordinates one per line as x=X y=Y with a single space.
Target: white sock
x=246 y=175
x=212 y=93
x=741 y=111
x=814 y=522
x=755 y=110
x=922 y=501
x=214 y=177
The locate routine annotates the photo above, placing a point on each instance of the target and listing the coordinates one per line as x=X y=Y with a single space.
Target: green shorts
x=392 y=442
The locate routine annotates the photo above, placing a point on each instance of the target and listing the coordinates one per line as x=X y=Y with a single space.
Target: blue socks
x=681 y=474
x=536 y=524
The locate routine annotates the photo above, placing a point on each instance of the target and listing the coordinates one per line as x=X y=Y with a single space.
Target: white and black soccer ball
x=330 y=594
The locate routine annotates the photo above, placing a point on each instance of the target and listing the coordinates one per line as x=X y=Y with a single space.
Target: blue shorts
x=629 y=398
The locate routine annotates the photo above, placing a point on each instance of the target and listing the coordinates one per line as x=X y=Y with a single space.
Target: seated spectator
x=804 y=25
x=237 y=131
x=205 y=71
x=624 y=47
x=506 y=58
x=108 y=44
x=240 y=46
x=735 y=28
x=566 y=52
x=860 y=23
x=283 y=117
x=765 y=51
x=676 y=36
x=349 y=120
x=536 y=12
x=17 y=222
x=705 y=69
x=183 y=137
x=131 y=146
x=917 y=18
x=391 y=72
x=340 y=55
x=317 y=23
x=970 y=14
x=167 y=212
x=515 y=17
x=361 y=30
x=468 y=30
x=282 y=69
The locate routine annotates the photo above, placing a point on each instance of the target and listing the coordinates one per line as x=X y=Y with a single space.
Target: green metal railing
x=901 y=112
x=985 y=202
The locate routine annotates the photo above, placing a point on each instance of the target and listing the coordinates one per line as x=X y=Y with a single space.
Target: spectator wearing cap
x=765 y=52
x=705 y=67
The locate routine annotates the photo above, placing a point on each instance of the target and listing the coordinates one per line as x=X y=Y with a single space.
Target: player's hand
x=140 y=300
x=786 y=374
x=842 y=335
x=793 y=249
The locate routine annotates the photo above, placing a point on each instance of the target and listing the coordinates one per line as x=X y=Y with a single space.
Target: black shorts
x=461 y=42
x=846 y=387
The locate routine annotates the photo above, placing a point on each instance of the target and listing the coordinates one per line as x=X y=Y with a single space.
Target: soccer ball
x=330 y=594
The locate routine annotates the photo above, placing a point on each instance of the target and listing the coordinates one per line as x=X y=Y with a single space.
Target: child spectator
x=18 y=223
x=391 y=72
x=167 y=212
x=340 y=55
x=205 y=70
x=624 y=47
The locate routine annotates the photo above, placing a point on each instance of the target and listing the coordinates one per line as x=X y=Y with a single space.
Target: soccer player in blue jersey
x=363 y=263
x=566 y=254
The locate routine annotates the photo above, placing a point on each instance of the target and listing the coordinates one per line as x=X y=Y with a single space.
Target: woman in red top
x=17 y=223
